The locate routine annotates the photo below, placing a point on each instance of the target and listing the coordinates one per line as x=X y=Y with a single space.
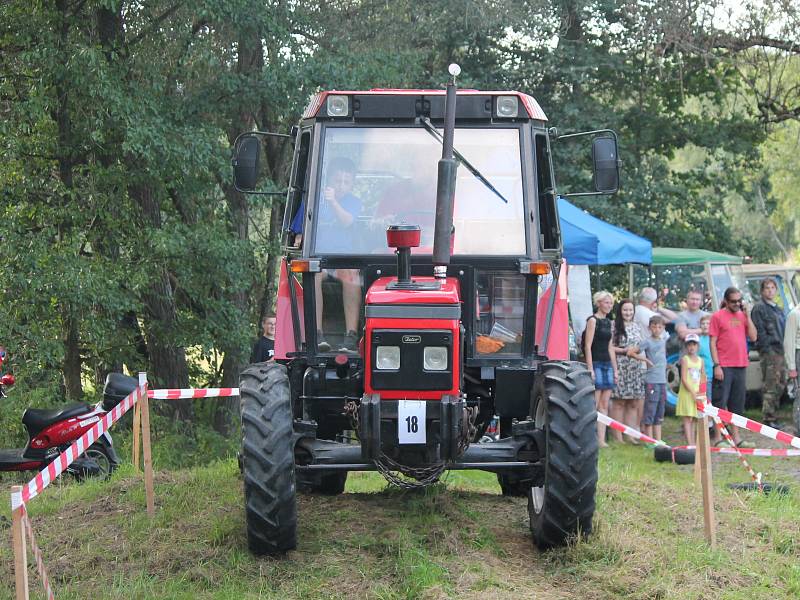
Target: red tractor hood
x=448 y=293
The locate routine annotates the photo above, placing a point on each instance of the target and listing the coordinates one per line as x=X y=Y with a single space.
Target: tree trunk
x=167 y=359
x=250 y=63
x=70 y=322
x=235 y=359
x=273 y=260
x=72 y=355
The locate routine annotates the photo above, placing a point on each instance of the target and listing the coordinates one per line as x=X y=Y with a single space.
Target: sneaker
x=774 y=423
x=322 y=344
x=722 y=444
x=350 y=342
x=746 y=444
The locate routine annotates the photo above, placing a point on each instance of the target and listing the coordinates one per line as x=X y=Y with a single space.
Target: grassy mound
x=458 y=539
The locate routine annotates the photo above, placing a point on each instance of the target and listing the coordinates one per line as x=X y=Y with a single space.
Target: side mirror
x=605 y=160
x=605 y=165
x=246 y=155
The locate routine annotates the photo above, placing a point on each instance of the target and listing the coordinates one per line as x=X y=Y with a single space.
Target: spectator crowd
x=627 y=357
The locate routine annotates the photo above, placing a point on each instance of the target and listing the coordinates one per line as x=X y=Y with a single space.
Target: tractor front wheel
x=562 y=506
x=267 y=459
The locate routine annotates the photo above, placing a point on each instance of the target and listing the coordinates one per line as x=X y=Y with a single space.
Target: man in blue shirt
x=337 y=212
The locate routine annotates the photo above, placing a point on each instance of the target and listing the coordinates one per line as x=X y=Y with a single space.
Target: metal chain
x=351 y=410
x=419 y=477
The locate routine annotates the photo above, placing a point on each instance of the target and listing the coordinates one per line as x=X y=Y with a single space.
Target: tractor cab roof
x=379 y=104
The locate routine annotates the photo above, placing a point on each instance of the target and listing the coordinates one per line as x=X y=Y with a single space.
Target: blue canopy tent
x=591 y=241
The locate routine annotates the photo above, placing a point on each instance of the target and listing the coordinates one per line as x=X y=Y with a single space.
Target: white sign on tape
x=411 y=421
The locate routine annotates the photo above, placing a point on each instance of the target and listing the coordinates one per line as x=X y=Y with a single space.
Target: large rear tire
x=268 y=459
x=562 y=507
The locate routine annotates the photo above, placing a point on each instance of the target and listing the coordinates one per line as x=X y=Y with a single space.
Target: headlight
x=337 y=106
x=434 y=358
x=387 y=358
x=507 y=106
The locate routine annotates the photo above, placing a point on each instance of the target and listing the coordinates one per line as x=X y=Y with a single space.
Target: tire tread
x=268 y=459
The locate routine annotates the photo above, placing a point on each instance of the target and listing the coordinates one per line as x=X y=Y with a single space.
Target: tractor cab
x=420 y=235
x=367 y=160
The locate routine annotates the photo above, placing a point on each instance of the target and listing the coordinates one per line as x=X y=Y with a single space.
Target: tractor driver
x=338 y=209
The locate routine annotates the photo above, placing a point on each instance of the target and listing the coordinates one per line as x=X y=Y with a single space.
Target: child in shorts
x=654 y=347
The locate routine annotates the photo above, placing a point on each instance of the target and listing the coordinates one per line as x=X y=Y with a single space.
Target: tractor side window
x=501 y=306
x=548 y=218
x=293 y=218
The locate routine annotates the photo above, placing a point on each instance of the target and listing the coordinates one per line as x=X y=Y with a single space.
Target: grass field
x=458 y=539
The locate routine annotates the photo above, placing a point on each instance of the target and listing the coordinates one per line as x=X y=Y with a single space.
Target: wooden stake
x=148 y=460
x=137 y=433
x=703 y=456
x=697 y=435
x=20 y=550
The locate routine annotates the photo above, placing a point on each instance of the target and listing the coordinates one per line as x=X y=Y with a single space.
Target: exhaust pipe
x=446 y=184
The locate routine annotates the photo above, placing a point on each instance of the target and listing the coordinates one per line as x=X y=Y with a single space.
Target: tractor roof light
x=337 y=105
x=507 y=107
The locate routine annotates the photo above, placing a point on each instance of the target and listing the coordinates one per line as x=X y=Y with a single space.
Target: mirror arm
x=585 y=133
x=586 y=194
x=251 y=193
x=262 y=133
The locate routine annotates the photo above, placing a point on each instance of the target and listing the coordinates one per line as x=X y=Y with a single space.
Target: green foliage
x=116 y=213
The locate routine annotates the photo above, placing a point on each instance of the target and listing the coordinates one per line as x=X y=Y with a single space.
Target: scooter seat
x=36 y=419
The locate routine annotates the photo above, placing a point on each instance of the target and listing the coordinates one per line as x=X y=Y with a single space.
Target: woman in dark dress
x=600 y=357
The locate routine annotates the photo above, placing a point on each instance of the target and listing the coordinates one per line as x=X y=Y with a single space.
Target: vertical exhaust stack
x=446 y=184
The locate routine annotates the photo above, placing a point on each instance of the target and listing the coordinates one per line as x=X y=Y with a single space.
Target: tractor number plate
x=411 y=421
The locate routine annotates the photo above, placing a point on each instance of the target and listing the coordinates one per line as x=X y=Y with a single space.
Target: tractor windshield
x=378 y=176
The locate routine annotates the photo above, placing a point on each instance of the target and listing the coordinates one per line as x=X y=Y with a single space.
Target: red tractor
x=399 y=363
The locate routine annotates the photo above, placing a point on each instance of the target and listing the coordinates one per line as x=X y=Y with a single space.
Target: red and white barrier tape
x=724 y=431
x=755 y=426
x=750 y=451
x=629 y=431
x=37 y=554
x=46 y=476
x=176 y=394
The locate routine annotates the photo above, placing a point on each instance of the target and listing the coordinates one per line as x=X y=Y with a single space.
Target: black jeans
x=729 y=393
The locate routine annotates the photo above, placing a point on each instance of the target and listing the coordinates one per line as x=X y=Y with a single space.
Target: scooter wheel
x=105 y=460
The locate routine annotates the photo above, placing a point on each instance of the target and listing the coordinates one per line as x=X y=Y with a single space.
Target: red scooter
x=50 y=432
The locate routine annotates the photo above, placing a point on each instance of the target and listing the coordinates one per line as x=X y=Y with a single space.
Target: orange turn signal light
x=302 y=265
x=299 y=266
x=538 y=268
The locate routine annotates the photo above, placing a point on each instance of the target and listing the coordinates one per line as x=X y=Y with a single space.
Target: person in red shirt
x=730 y=327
